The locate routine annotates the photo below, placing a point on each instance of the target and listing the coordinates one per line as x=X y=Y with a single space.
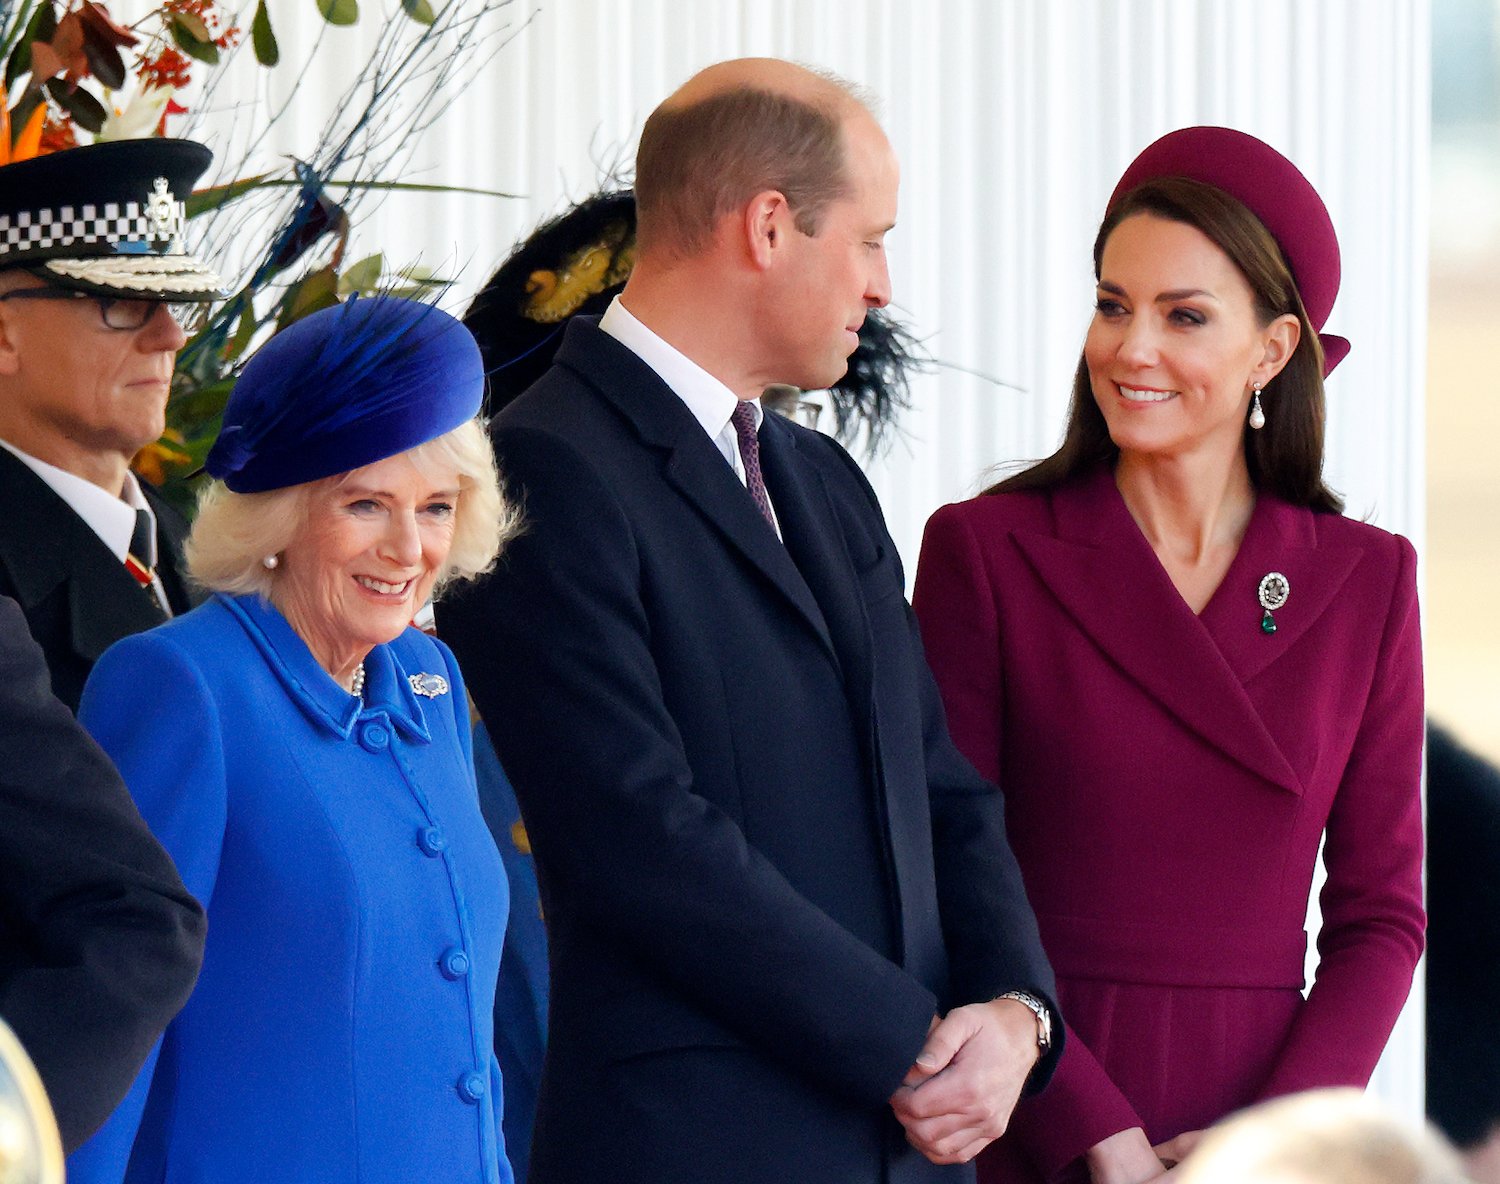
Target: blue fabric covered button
x=375 y=737
x=454 y=963
x=432 y=840
x=472 y=1087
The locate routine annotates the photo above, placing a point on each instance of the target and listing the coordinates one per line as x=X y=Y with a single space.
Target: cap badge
x=429 y=686
x=166 y=215
x=1272 y=594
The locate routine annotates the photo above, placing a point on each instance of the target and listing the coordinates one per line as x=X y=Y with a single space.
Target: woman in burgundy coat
x=1184 y=666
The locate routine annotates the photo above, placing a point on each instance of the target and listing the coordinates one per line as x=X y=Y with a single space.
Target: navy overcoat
x=764 y=865
x=99 y=941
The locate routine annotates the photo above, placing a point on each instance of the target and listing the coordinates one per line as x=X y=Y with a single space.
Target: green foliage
x=339 y=12
x=192 y=37
x=419 y=11
x=263 y=37
x=43 y=25
x=294 y=215
x=362 y=277
x=87 y=112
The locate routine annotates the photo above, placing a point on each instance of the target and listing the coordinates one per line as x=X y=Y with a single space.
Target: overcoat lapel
x=809 y=525
x=690 y=462
x=1100 y=569
x=57 y=548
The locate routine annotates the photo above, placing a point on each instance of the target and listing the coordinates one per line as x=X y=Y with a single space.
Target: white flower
x=139 y=117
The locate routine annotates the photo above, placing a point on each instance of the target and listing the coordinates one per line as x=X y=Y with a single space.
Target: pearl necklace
x=357 y=683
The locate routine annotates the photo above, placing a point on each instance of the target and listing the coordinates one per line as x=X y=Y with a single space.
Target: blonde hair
x=233 y=533
x=1326 y=1136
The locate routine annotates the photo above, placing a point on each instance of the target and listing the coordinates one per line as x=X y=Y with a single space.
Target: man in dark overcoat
x=788 y=940
x=99 y=941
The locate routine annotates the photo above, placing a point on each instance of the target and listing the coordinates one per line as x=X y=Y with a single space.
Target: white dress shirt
x=711 y=402
x=111 y=518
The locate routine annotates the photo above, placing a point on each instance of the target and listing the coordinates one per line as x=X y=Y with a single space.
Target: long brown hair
x=1286 y=456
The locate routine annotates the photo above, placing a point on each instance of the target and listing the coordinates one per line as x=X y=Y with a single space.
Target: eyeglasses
x=121 y=313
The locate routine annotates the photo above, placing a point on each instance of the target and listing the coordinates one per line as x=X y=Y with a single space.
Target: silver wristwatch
x=1043 y=1018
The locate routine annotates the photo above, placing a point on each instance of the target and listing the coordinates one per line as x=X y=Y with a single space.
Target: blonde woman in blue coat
x=305 y=757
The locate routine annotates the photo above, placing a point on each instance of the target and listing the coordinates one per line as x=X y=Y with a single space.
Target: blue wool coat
x=341 y=1028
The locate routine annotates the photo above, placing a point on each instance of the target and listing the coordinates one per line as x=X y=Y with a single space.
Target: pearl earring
x=271 y=562
x=1257 y=416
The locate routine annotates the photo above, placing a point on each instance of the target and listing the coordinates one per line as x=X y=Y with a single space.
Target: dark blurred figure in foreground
x=1463 y=951
x=99 y=941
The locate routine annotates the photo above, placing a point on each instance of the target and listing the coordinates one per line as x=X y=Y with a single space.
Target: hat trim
x=324 y=454
x=111 y=222
x=137 y=273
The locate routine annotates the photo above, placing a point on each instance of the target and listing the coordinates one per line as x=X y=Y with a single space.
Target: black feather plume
x=578 y=261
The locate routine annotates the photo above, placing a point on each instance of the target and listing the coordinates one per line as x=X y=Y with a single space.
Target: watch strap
x=1038 y=1009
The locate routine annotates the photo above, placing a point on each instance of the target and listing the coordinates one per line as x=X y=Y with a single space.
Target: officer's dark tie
x=141 y=560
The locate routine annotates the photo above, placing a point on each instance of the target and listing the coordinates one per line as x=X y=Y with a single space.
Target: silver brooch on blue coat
x=1272 y=594
x=429 y=686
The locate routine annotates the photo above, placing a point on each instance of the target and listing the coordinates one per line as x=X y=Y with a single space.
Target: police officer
x=96 y=293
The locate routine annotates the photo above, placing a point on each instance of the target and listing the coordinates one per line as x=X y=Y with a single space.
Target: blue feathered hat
x=344 y=387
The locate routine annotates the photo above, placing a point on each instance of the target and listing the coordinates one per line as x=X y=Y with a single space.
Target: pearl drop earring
x=271 y=562
x=1257 y=415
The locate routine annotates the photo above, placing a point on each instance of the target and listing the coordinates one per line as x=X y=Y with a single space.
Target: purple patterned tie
x=744 y=427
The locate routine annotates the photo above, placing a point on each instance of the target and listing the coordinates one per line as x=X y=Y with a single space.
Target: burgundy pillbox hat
x=1270 y=187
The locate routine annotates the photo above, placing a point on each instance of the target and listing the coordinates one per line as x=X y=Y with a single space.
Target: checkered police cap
x=107 y=218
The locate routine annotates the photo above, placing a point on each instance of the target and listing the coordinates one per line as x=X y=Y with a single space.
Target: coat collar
x=1102 y=571
x=388 y=691
x=690 y=461
x=49 y=546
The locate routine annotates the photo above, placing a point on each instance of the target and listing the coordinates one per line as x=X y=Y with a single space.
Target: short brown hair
x=700 y=161
x=1286 y=456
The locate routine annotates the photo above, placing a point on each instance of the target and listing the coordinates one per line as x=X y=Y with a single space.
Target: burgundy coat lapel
x=1281 y=538
x=1100 y=569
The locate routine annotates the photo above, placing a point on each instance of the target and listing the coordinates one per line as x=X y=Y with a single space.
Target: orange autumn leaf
x=46 y=62
x=153 y=461
x=30 y=140
x=96 y=20
x=58 y=135
x=67 y=44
